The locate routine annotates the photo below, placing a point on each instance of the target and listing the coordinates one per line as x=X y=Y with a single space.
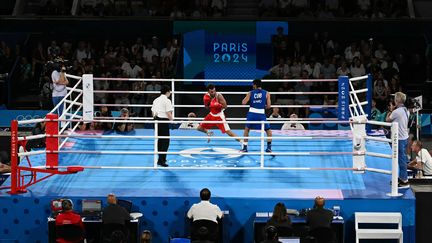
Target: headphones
x=271 y=231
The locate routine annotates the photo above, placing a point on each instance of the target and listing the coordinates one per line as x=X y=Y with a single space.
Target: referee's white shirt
x=204 y=210
x=161 y=105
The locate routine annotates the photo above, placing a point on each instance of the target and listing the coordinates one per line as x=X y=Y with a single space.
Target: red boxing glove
x=206 y=100
x=217 y=105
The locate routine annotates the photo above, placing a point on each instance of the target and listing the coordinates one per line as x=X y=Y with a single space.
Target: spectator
x=271 y=235
x=149 y=52
x=190 y=124
x=328 y=70
x=124 y=127
x=296 y=69
x=69 y=217
x=351 y=52
x=375 y=112
x=394 y=85
x=380 y=53
x=380 y=93
x=218 y=7
x=319 y=217
x=281 y=69
x=138 y=98
x=343 y=70
x=357 y=68
x=104 y=113
x=53 y=50
x=205 y=209
x=138 y=47
x=168 y=51
x=146 y=237
x=423 y=160
x=275 y=113
x=400 y=114
x=122 y=98
x=293 y=126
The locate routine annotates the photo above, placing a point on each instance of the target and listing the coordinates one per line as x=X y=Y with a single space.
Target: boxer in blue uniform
x=258 y=100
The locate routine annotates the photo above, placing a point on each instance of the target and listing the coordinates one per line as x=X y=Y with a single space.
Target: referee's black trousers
x=163 y=143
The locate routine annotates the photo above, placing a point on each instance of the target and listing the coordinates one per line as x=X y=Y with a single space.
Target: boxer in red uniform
x=216 y=103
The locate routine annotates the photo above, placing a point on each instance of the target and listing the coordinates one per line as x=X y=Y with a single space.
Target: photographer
x=58 y=77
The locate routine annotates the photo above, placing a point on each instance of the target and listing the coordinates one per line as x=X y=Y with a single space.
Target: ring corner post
x=343 y=101
x=369 y=86
x=52 y=141
x=87 y=98
x=395 y=164
x=359 y=145
x=15 y=183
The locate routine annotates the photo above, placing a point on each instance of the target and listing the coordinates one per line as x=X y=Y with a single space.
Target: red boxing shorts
x=222 y=126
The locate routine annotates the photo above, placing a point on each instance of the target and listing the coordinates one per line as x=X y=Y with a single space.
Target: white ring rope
x=201 y=168
x=216 y=80
x=204 y=92
x=229 y=106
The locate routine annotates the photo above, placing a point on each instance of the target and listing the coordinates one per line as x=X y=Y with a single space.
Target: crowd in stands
x=328 y=9
x=166 y=8
x=324 y=9
x=323 y=57
x=148 y=58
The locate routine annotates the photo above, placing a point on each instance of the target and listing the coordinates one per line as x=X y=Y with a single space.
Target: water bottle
x=336 y=211
x=419 y=174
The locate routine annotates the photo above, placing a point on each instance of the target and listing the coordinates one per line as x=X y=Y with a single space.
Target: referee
x=163 y=111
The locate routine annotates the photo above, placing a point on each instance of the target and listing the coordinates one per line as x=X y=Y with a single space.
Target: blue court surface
x=165 y=195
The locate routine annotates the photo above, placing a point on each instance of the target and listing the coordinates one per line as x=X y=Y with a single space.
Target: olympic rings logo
x=220 y=153
x=26 y=118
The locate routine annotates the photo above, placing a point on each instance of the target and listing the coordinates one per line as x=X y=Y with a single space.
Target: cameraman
x=58 y=77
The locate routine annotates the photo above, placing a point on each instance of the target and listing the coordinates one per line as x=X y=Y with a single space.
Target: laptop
x=91 y=209
x=289 y=239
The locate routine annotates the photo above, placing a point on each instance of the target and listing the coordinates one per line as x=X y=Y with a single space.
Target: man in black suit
x=319 y=217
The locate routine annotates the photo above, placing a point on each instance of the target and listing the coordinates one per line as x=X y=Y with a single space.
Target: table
x=93 y=229
x=299 y=226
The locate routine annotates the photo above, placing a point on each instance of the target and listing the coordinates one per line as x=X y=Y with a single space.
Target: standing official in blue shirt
x=258 y=100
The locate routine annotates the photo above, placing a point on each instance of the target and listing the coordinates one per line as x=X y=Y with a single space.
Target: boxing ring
x=350 y=167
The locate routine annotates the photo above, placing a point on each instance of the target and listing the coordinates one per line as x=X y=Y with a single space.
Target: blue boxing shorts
x=256 y=117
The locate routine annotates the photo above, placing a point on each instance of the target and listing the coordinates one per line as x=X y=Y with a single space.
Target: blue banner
x=343 y=99
x=6 y=116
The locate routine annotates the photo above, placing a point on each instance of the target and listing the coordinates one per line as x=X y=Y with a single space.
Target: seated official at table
x=423 y=160
x=190 y=124
x=319 y=217
x=280 y=218
x=205 y=209
x=69 y=225
x=114 y=217
x=205 y=214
